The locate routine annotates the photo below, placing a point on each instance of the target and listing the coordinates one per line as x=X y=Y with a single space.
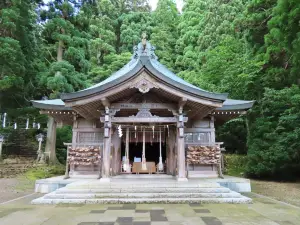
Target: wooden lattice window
x=90 y=137
x=197 y=137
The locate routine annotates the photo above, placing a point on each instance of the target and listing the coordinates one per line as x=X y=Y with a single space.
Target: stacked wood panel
x=203 y=155
x=84 y=156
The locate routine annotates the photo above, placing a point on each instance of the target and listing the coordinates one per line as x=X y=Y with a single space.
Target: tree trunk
x=51 y=140
x=60 y=51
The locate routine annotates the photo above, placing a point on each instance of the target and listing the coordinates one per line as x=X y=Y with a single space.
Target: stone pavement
x=263 y=211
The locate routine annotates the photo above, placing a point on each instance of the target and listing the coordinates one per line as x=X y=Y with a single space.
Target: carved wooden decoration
x=144 y=86
x=144 y=83
x=144 y=113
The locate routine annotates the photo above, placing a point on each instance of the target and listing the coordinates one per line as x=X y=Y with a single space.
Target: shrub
x=45 y=171
x=235 y=165
x=274 y=141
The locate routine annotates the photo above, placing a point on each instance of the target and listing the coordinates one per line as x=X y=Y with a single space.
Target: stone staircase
x=121 y=191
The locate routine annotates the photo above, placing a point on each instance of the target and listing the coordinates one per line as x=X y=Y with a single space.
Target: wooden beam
x=143 y=106
x=182 y=102
x=105 y=102
x=144 y=120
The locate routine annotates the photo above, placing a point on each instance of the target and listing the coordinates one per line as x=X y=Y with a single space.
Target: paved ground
x=262 y=211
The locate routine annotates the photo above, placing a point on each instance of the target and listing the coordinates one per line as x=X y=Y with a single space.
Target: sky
x=179 y=3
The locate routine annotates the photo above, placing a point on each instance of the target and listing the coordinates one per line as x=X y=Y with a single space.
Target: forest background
x=248 y=48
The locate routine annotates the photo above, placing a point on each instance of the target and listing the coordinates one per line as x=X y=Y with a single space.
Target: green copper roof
x=144 y=57
x=53 y=104
x=232 y=104
x=58 y=104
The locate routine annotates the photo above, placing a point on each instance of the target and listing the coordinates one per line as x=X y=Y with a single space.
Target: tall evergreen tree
x=19 y=50
x=66 y=49
x=164 y=33
x=203 y=25
x=115 y=29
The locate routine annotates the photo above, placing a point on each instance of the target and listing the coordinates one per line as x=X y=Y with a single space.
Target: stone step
x=136 y=185
x=141 y=195
x=241 y=200
x=143 y=190
x=143 y=176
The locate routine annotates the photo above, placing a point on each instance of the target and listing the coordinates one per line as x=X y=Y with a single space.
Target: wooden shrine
x=142 y=118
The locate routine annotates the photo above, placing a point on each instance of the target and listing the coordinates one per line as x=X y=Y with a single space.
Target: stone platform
x=136 y=189
x=48 y=185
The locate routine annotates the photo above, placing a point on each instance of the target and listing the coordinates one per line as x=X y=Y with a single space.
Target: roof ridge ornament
x=144 y=40
x=144 y=48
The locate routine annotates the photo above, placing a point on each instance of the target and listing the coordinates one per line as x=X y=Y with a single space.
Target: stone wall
x=10 y=167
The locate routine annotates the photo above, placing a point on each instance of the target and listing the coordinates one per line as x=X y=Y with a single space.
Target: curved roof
x=145 y=58
x=58 y=104
x=232 y=104
x=53 y=104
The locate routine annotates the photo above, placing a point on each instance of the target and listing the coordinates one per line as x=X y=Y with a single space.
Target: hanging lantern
x=38 y=126
x=15 y=126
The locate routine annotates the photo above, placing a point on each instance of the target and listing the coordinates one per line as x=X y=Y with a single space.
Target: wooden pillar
x=74 y=131
x=105 y=176
x=171 y=157
x=144 y=164
x=127 y=163
x=212 y=133
x=50 y=149
x=181 y=167
x=116 y=142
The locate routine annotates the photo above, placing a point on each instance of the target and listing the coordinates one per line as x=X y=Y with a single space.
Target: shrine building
x=142 y=119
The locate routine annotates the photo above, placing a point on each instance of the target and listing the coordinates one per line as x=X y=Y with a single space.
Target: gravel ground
x=11 y=188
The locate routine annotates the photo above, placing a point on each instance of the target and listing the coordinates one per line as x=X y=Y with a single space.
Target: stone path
x=262 y=212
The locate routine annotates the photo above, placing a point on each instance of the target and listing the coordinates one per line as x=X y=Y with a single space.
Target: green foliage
x=45 y=171
x=19 y=42
x=274 y=146
x=234 y=135
x=235 y=165
x=164 y=33
x=248 y=48
x=19 y=142
x=116 y=27
x=63 y=135
x=62 y=78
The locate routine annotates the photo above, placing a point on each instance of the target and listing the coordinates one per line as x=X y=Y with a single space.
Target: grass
x=27 y=180
x=282 y=191
x=45 y=171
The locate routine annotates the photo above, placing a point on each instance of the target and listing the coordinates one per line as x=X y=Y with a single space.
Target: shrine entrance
x=143 y=150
